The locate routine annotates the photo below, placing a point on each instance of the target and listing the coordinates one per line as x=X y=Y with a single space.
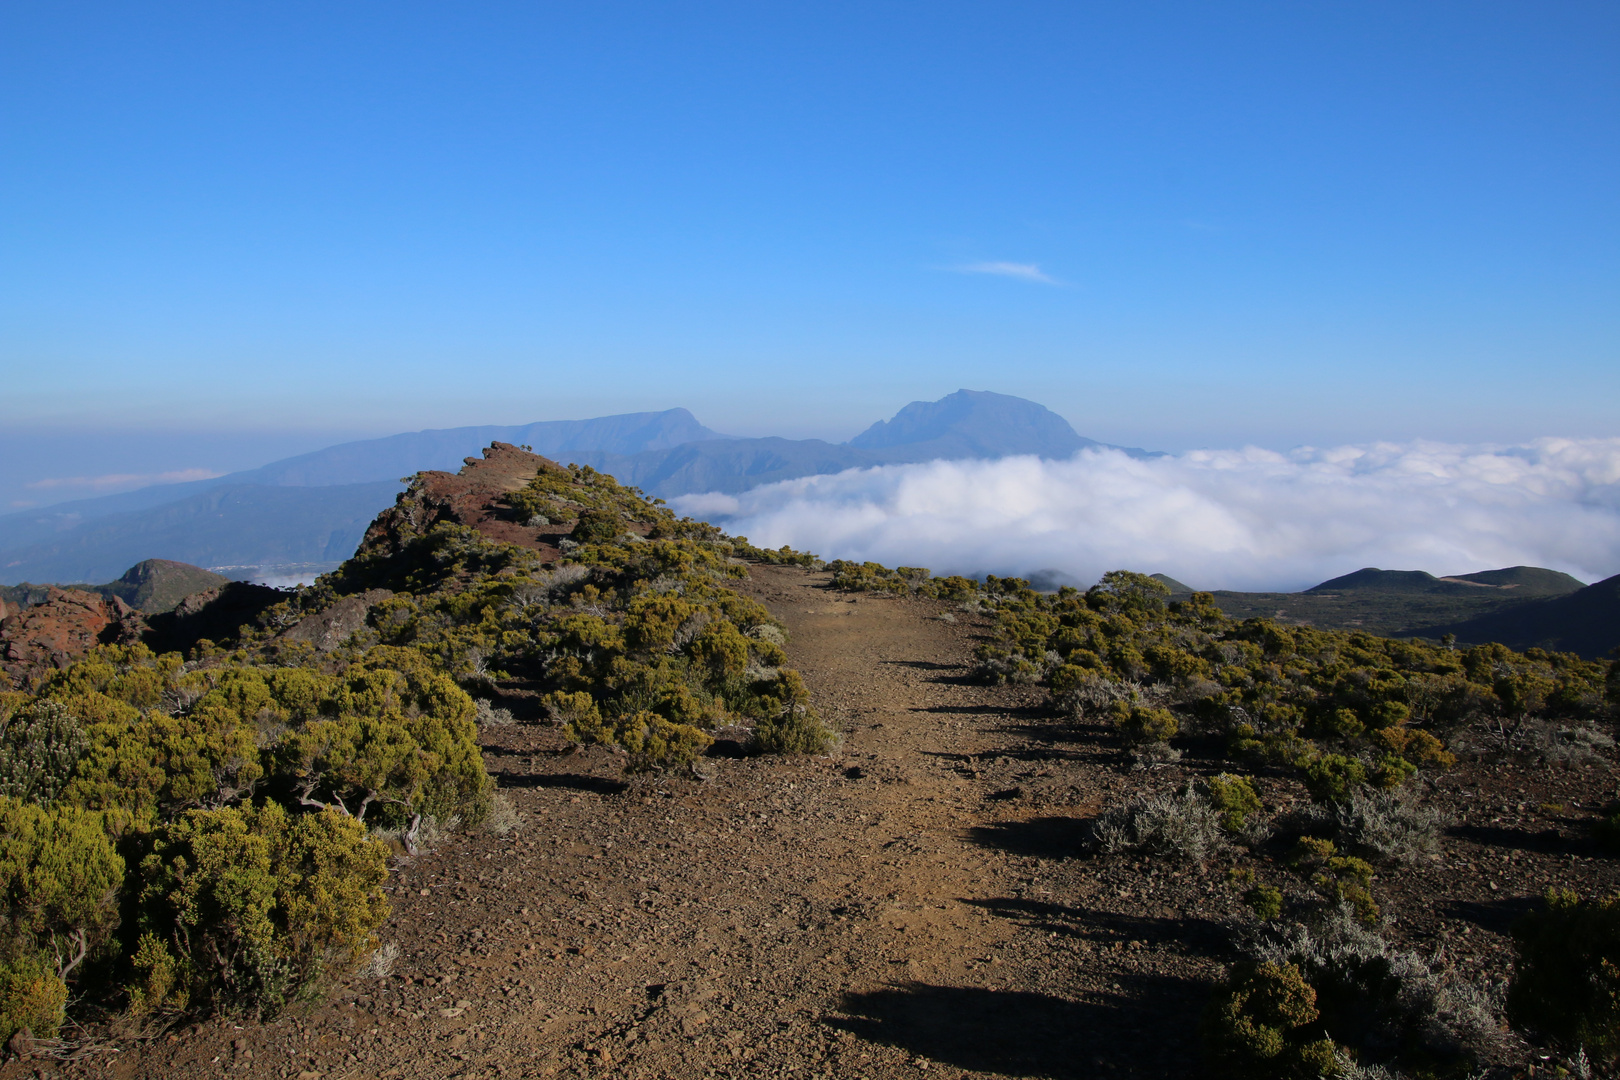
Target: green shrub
x=1235 y=798
x=788 y=723
x=1338 y=879
x=403 y=740
x=160 y=978
x=1140 y=725
x=597 y=527
x=255 y=908
x=1262 y=1024
x=32 y=997
x=1336 y=990
x=795 y=731
x=59 y=881
x=1332 y=777
x=1266 y=901
x=1566 y=981
x=138 y=768
x=40 y=743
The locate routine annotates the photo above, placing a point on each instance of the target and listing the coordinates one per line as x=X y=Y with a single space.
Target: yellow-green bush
x=254 y=907
x=1235 y=798
x=32 y=997
x=59 y=880
x=59 y=888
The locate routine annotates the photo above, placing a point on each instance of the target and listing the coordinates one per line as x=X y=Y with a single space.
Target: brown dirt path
x=909 y=907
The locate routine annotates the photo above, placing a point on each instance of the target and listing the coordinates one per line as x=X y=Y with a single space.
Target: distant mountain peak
x=975 y=423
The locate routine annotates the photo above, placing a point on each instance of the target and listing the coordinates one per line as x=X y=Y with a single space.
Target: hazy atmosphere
x=233 y=233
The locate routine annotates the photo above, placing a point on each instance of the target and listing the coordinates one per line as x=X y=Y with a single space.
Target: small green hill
x=1373 y=579
x=152 y=586
x=1525 y=580
x=1176 y=588
x=157 y=585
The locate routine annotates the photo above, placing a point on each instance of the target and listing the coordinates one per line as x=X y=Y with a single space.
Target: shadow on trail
x=1045 y=837
x=1138 y=1029
x=924 y=665
x=967 y=710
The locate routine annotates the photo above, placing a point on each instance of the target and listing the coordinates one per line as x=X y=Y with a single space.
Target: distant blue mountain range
x=313 y=509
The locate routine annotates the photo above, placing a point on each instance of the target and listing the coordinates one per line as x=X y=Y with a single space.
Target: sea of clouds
x=1216 y=519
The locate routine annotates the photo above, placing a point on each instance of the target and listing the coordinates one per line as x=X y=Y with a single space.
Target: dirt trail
x=908 y=907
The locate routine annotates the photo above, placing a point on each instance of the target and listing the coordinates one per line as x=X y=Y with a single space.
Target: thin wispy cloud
x=1021 y=271
x=1245 y=519
x=120 y=480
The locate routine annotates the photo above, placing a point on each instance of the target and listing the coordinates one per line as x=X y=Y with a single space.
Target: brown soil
x=920 y=904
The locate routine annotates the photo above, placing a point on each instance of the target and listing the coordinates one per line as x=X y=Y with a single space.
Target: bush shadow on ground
x=1138 y=1029
x=1546 y=842
x=1194 y=935
x=921 y=665
x=1497 y=916
x=599 y=785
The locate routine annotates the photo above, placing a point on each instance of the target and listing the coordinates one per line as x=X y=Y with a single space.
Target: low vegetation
x=212 y=832
x=1353 y=719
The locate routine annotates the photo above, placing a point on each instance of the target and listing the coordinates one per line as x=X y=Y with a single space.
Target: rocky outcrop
x=474 y=496
x=51 y=635
x=330 y=627
x=216 y=615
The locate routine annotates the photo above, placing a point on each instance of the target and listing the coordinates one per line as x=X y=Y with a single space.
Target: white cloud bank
x=1224 y=519
x=122 y=480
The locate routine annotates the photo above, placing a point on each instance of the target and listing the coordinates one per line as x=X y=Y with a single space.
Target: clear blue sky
x=1175 y=224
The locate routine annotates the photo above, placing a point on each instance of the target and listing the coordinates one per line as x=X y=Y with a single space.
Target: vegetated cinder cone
x=1586 y=622
x=1525 y=580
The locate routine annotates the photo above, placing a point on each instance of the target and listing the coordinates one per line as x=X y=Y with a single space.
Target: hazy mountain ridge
x=313 y=508
x=235 y=524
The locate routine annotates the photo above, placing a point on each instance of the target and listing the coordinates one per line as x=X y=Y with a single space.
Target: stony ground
x=920 y=904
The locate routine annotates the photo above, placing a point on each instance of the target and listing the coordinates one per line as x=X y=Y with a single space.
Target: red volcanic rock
x=67 y=625
x=475 y=496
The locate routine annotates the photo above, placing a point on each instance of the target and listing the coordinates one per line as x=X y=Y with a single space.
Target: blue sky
x=238 y=230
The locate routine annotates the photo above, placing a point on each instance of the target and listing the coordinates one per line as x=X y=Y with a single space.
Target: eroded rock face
x=214 y=614
x=331 y=626
x=48 y=636
x=475 y=496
